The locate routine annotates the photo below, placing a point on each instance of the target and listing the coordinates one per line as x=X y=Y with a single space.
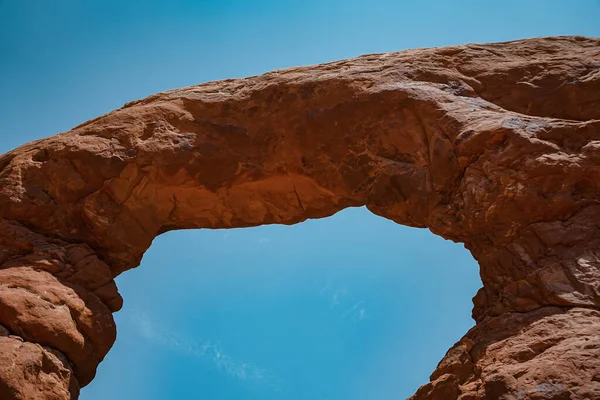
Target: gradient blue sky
x=351 y=307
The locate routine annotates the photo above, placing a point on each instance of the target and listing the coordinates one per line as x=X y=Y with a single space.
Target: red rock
x=29 y=371
x=549 y=353
x=496 y=146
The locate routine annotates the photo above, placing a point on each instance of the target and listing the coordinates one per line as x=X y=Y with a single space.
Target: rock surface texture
x=496 y=146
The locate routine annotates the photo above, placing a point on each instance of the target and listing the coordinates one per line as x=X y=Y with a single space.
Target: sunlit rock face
x=496 y=146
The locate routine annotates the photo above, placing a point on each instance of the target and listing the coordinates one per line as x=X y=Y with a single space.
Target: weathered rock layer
x=496 y=146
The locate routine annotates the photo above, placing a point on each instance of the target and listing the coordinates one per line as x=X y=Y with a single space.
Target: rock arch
x=496 y=146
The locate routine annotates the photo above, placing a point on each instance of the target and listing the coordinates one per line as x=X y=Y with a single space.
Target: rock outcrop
x=496 y=146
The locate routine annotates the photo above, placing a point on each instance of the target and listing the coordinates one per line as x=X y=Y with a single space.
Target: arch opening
x=350 y=306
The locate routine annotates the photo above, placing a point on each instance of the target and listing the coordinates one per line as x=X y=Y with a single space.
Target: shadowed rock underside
x=496 y=146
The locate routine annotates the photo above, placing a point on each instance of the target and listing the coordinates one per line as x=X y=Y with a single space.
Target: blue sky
x=350 y=307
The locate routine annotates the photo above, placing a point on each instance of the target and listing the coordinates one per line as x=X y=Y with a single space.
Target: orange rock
x=496 y=146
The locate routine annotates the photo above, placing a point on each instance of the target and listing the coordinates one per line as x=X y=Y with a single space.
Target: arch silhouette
x=496 y=146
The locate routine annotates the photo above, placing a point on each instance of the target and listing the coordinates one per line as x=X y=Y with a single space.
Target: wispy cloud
x=337 y=296
x=360 y=315
x=357 y=312
x=324 y=289
x=205 y=350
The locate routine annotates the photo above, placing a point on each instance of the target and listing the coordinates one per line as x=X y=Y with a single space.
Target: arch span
x=496 y=146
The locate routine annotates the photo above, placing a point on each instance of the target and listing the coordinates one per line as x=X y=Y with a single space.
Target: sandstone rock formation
x=496 y=146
